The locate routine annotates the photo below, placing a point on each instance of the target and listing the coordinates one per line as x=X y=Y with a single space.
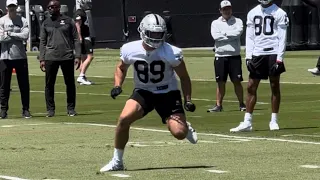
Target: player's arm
x=250 y=33
x=120 y=73
x=183 y=74
x=282 y=36
x=216 y=33
x=237 y=32
x=76 y=41
x=78 y=26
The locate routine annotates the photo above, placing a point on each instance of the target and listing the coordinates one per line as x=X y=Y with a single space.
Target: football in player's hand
x=189 y=106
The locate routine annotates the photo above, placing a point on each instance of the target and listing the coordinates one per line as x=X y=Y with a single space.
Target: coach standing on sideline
x=14 y=31
x=226 y=32
x=58 y=40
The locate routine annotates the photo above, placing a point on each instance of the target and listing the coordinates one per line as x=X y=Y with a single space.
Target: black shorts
x=165 y=104
x=263 y=65
x=86 y=47
x=225 y=66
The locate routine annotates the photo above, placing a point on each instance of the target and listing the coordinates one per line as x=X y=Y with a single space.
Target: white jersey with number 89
x=153 y=71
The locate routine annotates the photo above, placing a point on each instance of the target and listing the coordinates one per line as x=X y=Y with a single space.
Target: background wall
x=191 y=20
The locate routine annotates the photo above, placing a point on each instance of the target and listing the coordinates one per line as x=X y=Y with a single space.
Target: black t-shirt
x=81 y=15
x=85 y=30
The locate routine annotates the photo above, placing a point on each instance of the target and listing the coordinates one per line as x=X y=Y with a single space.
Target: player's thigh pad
x=167 y=104
x=145 y=99
x=221 y=68
x=235 y=69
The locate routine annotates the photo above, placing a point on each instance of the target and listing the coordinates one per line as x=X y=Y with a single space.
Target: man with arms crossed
x=226 y=32
x=14 y=31
x=155 y=64
x=265 y=48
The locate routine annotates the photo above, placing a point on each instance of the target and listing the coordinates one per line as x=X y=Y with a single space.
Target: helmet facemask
x=153 y=30
x=152 y=39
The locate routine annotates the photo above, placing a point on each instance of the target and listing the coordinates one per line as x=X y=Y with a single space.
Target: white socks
x=274 y=117
x=248 y=117
x=81 y=75
x=118 y=154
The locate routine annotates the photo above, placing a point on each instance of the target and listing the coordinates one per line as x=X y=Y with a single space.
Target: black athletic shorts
x=225 y=66
x=166 y=104
x=263 y=65
x=86 y=47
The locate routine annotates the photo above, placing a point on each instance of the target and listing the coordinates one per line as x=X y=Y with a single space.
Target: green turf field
x=77 y=147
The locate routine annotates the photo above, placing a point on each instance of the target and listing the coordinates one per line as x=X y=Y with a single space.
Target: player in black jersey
x=86 y=45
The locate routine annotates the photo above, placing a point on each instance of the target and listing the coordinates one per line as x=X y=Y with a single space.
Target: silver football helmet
x=265 y=2
x=153 y=30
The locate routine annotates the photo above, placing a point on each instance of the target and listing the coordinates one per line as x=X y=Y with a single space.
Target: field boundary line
x=204 y=134
x=201 y=80
x=243 y=138
x=10 y=178
x=123 y=95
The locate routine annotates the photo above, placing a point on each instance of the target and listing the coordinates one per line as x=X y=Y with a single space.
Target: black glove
x=116 y=91
x=277 y=68
x=250 y=65
x=189 y=106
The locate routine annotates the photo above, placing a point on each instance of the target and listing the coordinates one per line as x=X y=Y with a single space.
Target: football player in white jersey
x=265 y=47
x=155 y=64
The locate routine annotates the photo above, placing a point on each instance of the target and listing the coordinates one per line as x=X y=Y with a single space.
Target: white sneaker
x=314 y=71
x=113 y=165
x=83 y=80
x=274 y=126
x=243 y=126
x=192 y=134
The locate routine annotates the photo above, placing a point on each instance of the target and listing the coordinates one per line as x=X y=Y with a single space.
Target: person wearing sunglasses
x=58 y=41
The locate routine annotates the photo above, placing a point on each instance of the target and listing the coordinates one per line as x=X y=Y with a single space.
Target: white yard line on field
x=205 y=80
x=206 y=134
x=310 y=166
x=216 y=171
x=120 y=175
x=301 y=135
x=102 y=94
x=236 y=138
x=10 y=178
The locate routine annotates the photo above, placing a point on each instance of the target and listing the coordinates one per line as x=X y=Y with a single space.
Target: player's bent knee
x=180 y=134
x=178 y=126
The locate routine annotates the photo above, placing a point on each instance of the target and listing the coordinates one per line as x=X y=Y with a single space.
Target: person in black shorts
x=86 y=46
x=155 y=64
x=226 y=32
x=265 y=49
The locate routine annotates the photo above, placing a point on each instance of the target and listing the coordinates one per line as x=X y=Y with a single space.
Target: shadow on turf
x=293 y=128
x=176 y=167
